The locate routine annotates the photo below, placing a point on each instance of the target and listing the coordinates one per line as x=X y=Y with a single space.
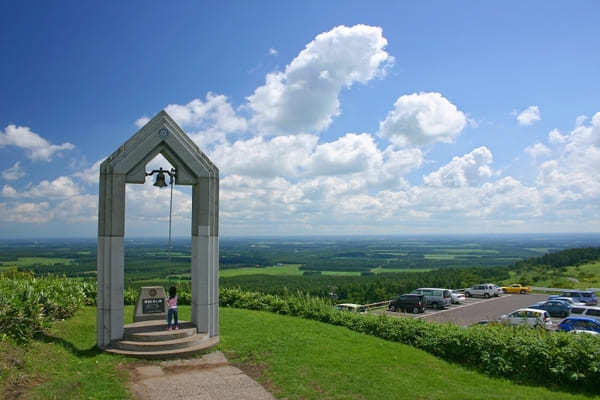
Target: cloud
x=537 y=150
x=9 y=192
x=555 y=137
x=258 y=156
x=91 y=175
x=469 y=170
x=36 y=147
x=208 y=121
x=273 y=52
x=141 y=121
x=34 y=213
x=573 y=175
x=13 y=173
x=61 y=188
x=304 y=97
x=529 y=115
x=215 y=113
x=349 y=154
x=422 y=118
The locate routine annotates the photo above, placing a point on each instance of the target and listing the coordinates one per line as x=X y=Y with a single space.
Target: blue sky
x=323 y=117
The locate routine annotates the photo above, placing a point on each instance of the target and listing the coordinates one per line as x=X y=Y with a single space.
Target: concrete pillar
x=205 y=256
x=111 y=229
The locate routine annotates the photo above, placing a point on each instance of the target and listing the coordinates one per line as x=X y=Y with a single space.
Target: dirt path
x=208 y=378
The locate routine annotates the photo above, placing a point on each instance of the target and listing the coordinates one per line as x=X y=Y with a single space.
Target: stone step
x=166 y=354
x=163 y=345
x=155 y=331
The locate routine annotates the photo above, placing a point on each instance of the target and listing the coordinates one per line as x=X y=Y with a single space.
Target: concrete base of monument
x=151 y=340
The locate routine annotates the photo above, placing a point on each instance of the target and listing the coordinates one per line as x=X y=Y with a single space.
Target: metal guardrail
x=546 y=289
x=377 y=305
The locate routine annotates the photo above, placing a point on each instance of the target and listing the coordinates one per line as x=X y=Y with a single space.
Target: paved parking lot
x=474 y=310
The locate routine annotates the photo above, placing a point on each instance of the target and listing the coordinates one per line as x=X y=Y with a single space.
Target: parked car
x=584 y=311
x=435 y=297
x=457 y=297
x=484 y=290
x=516 y=289
x=556 y=308
x=529 y=317
x=358 y=308
x=498 y=289
x=580 y=324
x=566 y=299
x=414 y=303
x=585 y=296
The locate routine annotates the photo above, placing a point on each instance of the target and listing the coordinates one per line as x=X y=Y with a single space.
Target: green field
x=30 y=261
x=294 y=269
x=293 y=357
x=584 y=276
x=288 y=269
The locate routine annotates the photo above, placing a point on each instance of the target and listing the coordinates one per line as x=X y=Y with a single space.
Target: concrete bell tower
x=127 y=164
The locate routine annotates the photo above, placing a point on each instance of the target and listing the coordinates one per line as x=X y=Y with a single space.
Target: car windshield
x=587 y=295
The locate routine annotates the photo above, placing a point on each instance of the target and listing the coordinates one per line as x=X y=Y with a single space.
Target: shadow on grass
x=70 y=347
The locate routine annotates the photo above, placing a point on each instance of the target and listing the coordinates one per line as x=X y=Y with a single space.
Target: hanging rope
x=170 y=214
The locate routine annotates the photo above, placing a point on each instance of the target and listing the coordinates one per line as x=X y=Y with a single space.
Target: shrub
x=29 y=304
x=530 y=354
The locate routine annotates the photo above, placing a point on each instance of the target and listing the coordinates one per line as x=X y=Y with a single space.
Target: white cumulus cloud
x=208 y=121
x=304 y=97
x=422 y=118
x=13 y=173
x=36 y=147
x=529 y=115
x=141 y=121
x=469 y=170
x=537 y=150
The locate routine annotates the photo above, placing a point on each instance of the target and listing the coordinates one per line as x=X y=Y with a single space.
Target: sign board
x=151 y=304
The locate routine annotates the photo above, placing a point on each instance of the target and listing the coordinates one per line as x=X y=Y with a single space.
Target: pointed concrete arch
x=127 y=164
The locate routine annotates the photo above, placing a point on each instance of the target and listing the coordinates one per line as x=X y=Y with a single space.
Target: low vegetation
x=28 y=304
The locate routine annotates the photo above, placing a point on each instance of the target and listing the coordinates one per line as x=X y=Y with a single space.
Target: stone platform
x=151 y=340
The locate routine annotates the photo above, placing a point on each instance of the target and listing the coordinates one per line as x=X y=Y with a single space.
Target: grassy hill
x=293 y=357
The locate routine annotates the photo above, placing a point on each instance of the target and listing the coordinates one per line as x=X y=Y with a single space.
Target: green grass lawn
x=293 y=357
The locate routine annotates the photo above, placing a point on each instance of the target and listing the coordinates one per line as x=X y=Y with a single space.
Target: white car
x=485 y=290
x=457 y=297
x=528 y=317
x=576 y=331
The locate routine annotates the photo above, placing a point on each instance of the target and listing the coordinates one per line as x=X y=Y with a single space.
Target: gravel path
x=207 y=378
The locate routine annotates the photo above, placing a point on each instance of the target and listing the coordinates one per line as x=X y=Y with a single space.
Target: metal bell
x=160 y=179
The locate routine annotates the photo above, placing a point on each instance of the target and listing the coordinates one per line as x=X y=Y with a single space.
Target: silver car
x=528 y=317
x=435 y=297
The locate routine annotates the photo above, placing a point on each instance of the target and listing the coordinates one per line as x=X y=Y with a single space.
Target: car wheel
x=523 y=292
x=415 y=310
x=486 y=295
x=435 y=306
x=467 y=294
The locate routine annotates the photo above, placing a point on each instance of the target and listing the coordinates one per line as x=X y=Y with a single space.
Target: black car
x=414 y=303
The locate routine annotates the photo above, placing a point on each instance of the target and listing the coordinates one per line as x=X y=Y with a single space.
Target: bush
x=531 y=355
x=29 y=304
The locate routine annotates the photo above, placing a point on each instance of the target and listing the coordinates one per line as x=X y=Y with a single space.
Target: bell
x=160 y=179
